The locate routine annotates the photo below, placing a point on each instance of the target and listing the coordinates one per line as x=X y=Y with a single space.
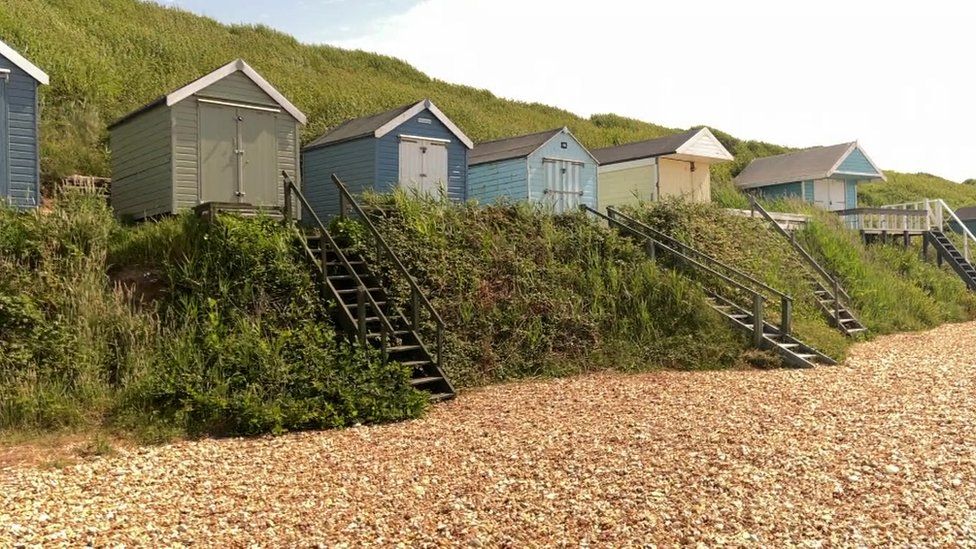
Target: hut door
x=563 y=186
x=218 y=153
x=423 y=165
x=830 y=194
x=258 y=181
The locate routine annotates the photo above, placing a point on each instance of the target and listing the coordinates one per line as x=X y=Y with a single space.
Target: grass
x=892 y=288
x=234 y=340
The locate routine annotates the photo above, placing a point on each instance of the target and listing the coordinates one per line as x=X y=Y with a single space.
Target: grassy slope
x=904 y=187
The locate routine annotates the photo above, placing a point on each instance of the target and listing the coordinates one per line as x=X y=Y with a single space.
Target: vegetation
x=526 y=293
x=201 y=328
x=892 y=288
x=903 y=187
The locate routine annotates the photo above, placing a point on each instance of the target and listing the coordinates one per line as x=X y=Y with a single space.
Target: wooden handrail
x=688 y=249
x=346 y=196
x=832 y=283
x=362 y=294
x=757 y=298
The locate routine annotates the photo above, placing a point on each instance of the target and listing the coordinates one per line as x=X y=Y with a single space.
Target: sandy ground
x=881 y=450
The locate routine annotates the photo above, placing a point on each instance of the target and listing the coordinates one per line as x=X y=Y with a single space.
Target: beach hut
x=968 y=217
x=825 y=176
x=20 y=172
x=415 y=147
x=673 y=166
x=225 y=137
x=551 y=168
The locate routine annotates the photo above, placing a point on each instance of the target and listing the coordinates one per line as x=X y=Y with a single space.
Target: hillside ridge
x=109 y=57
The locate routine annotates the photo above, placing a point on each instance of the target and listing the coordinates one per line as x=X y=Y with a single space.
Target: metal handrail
x=967 y=235
x=936 y=217
x=758 y=299
x=832 y=283
x=362 y=295
x=688 y=249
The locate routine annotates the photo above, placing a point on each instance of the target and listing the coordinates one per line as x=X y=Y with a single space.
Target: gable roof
x=24 y=65
x=378 y=125
x=510 y=147
x=806 y=165
x=679 y=143
x=211 y=78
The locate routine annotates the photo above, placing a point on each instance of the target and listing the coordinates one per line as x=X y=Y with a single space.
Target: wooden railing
x=837 y=293
x=418 y=300
x=363 y=297
x=885 y=220
x=939 y=216
x=704 y=263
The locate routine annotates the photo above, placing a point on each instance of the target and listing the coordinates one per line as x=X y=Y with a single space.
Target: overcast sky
x=897 y=76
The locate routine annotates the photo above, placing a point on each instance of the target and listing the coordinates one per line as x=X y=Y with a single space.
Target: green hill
x=108 y=57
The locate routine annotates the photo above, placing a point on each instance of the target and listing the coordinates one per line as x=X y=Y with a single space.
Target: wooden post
x=652 y=250
x=837 y=302
x=907 y=240
x=287 y=208
x=925 y=248
x=383 y=340
x=361 y=311
x=415 y=307
x=440 y=345
x=342 y=205
x=786 y=314
x=757 y=321
x=323 y=256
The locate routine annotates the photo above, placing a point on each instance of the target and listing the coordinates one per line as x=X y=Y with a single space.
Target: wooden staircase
x=832 y=299
x=947 y=252
x=735 y=295
x=366 y=311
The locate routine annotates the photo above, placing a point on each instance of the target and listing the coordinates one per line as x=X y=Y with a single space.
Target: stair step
x=805 y=356
x=437 y=397
x=415 y=363
x=856 y=330
x=403 y=348
x=395 y=333
x=354 y=290
x=788 y=345
x=417 y=381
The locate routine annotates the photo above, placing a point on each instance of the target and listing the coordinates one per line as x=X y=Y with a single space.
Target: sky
x=896 y=76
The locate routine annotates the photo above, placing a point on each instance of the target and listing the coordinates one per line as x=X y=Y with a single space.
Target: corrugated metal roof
x=805 y=165
x=510 y=147
x=358 y=127
x=644 y=149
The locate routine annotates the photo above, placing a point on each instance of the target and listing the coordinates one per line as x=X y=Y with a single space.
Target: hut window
x=564 y=145
x=424 y=120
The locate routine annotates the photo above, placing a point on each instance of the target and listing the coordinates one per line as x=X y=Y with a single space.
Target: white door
x=423 y=166
x=563 y=186
x=830 y=194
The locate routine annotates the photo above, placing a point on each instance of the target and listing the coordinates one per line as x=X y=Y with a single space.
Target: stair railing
x=786 y=301
x=418 y=300
x=363 y=297
x=945 y=211
x=833 y=286
x=654 y=245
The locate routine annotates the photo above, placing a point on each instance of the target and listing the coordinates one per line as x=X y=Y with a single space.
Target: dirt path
x=880 y=450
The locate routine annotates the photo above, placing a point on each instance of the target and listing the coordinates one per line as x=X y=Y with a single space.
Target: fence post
x=323 y=256
x=757 y=320
x=786 y=314
x=415 y=308
x=384 y=335
x=651 y=250
x=287 y=211
x=361 y=311
x=837 y=302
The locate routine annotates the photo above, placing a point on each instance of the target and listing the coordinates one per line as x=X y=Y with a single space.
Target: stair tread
x=425 y=380
x=415 y=362
x=402 y=348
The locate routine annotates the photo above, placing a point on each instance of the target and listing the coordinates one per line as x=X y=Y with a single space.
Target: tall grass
x=528 y=294
x=228 y=336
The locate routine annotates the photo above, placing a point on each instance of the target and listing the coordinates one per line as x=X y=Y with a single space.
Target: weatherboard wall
x=353 y=161
x=856 y=163
x=504 y=180
x=142 y=164
x=19 y=144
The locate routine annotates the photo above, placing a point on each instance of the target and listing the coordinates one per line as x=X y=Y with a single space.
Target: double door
x=563 y=189
x=238 y=154
x=830 y=194
x=423 y=165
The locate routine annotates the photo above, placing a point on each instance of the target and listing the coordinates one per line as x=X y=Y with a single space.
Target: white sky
x=897 y=76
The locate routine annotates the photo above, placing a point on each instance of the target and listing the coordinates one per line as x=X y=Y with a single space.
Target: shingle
x=510 y=147
x=644 y=149
x=805 y=165
x=358 y=127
